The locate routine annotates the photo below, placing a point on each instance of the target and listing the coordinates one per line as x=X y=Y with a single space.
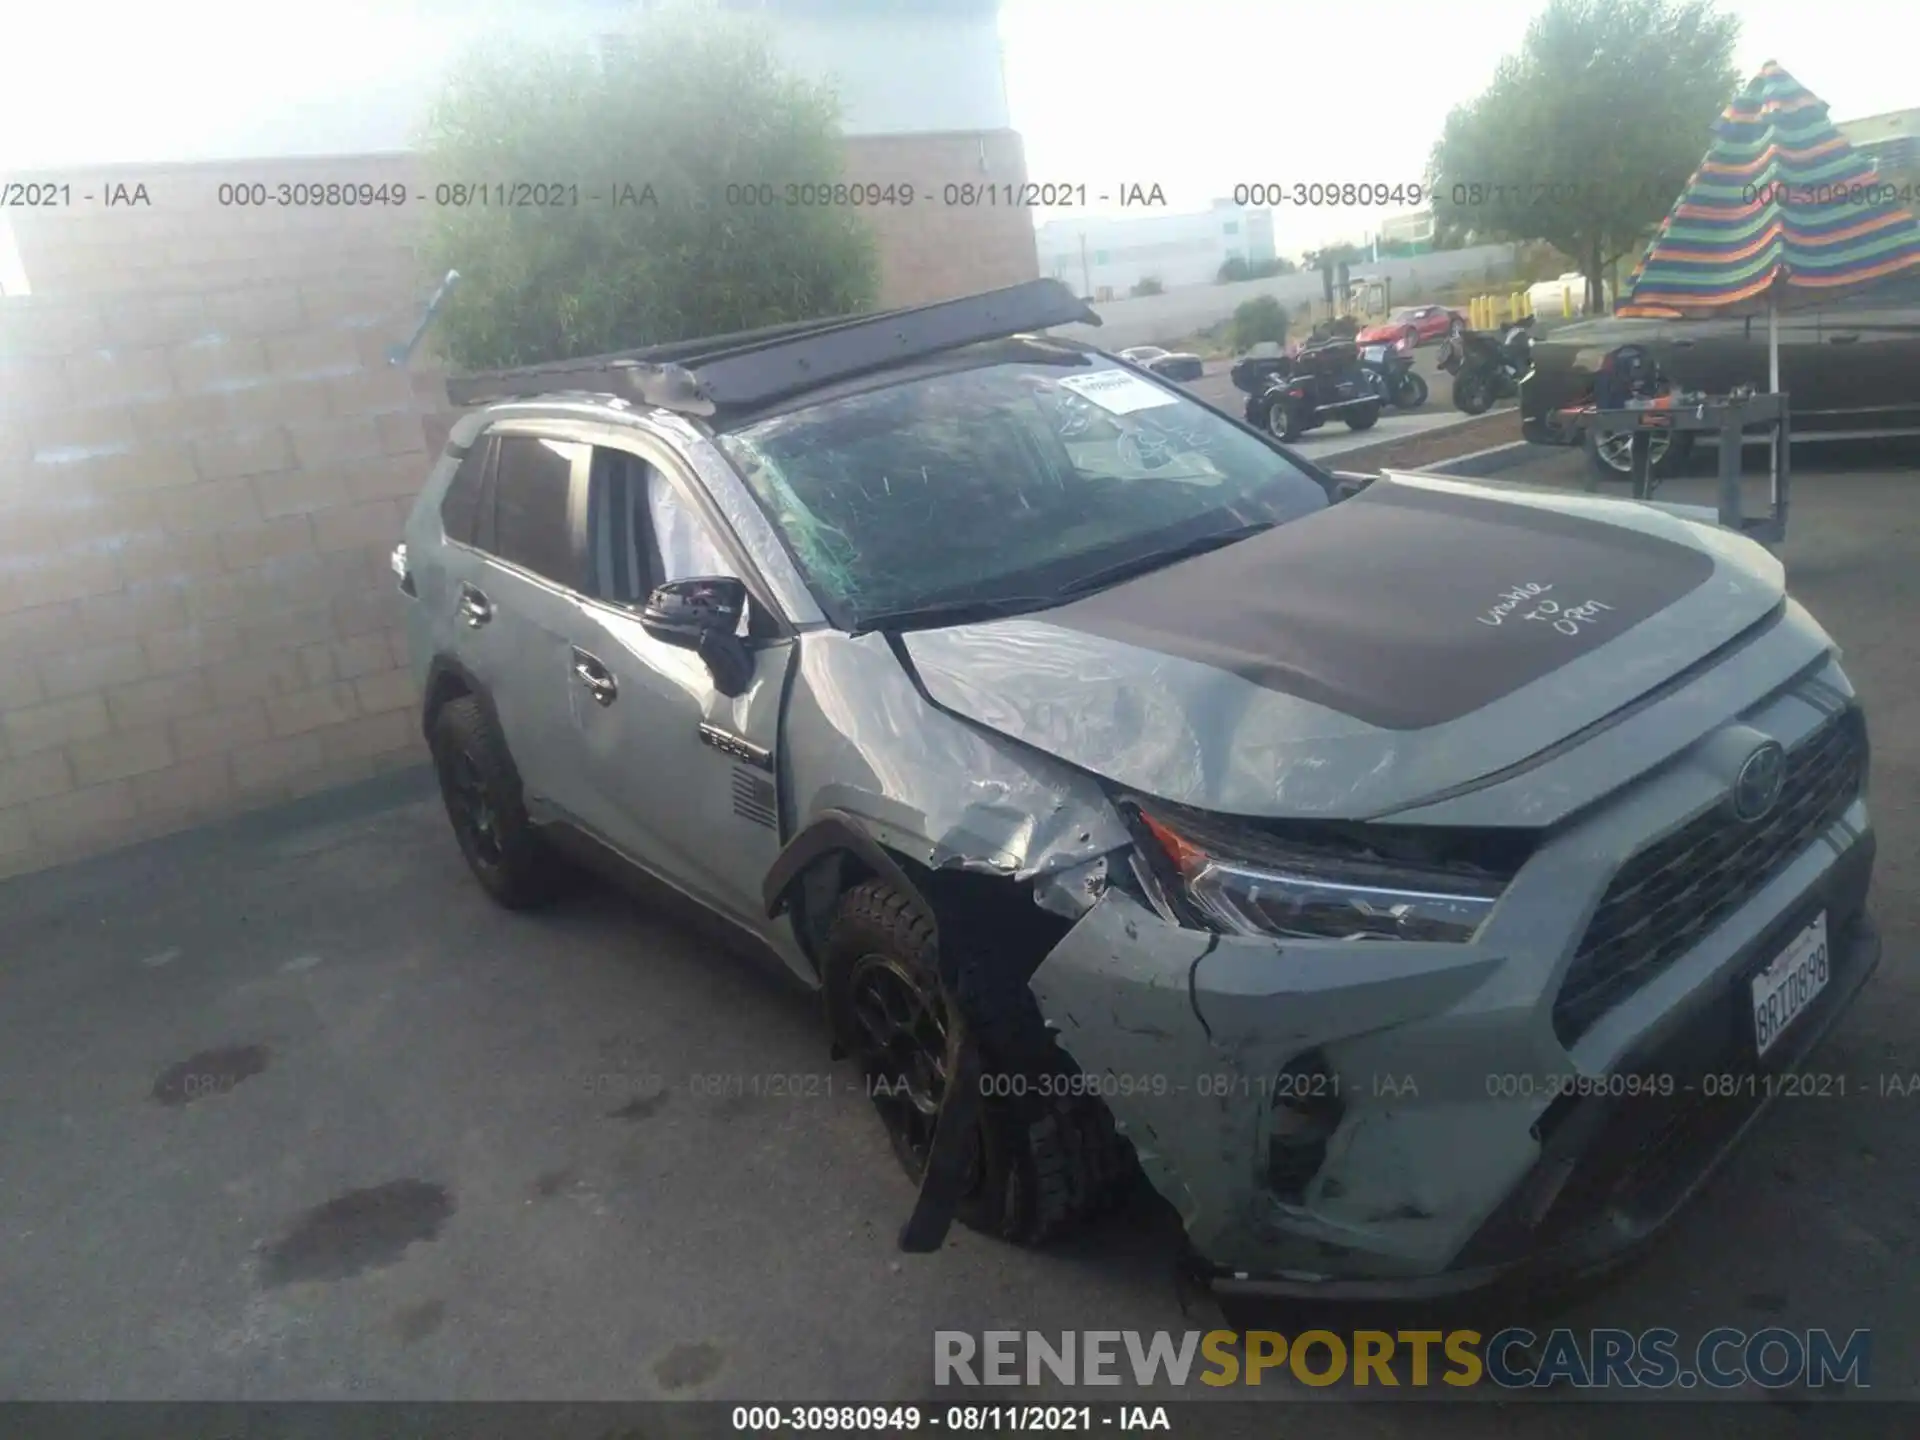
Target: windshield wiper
x=952 y=612
x=1159 y=559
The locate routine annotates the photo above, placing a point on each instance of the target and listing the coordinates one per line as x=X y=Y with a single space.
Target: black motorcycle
x=1324 y=381
x=1394 y=376
x=1486 y=369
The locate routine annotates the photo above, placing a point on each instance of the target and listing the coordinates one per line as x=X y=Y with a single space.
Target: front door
x=681 y=779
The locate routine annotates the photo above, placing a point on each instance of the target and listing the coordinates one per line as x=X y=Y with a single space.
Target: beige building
x=205 y=457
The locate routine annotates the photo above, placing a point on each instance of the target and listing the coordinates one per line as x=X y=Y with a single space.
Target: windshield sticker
x=1528 y=602
x=1120 y=392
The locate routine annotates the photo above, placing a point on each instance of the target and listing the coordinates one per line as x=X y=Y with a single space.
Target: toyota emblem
x=1757 y=790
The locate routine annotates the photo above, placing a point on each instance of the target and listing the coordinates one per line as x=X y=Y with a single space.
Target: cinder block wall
x=205 y=460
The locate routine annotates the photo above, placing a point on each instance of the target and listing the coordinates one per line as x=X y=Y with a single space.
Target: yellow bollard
x=1519 y=305
x=1566 y=302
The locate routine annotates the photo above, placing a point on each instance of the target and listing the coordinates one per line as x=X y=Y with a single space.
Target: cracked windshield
x=1013 y=478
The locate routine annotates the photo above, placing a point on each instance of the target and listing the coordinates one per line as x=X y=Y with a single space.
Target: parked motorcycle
x=1324 y=381
x=1486 y=369
x=1391 y=368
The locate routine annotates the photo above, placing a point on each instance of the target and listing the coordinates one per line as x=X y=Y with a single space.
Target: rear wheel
x=481 y=790
x=1282 y=420
x=1363 y=417
x=1041 y=1162
x=1611 y=454
x=1473 y=392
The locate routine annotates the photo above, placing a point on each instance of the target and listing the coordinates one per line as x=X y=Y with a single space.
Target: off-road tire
x=1050 y=1162
x=526 y=873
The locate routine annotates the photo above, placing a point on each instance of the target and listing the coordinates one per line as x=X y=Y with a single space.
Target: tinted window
x=1006 y=479
x=532 y=480
x=460 y=506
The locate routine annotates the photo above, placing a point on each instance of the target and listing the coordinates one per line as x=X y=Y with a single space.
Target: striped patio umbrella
x=1782 y=211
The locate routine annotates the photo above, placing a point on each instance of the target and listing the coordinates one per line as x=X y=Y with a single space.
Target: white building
x=1104 y=257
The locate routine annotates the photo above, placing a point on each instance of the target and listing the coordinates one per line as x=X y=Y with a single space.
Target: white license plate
x=1787 y=986
x=1374 y=352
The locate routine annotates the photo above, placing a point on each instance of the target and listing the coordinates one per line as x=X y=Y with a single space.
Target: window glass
x=460 y=506
x=685 y=546
x=532 y=480
x=1003 y=480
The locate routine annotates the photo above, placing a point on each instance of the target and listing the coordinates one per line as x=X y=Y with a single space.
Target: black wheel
x=1042 y=1162
x=1282 y=421
x=482 y=793
x=1611 y=454
x=1413 y=391
x=1363 y=418
x=1472 y=392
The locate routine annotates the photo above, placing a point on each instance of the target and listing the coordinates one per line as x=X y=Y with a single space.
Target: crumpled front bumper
x=1451 y=1155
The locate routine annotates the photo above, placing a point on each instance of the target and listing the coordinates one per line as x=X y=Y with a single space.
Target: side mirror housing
x=703 y=615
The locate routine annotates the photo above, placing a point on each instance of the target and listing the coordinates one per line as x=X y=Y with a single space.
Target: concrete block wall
x=205 y=461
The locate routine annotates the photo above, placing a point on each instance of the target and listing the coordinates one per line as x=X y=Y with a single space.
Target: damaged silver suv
x=1412 y=881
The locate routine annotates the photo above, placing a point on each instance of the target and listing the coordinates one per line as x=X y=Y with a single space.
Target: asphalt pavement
x=289 y=1110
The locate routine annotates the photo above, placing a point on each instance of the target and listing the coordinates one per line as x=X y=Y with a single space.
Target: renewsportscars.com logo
x=1512 y=1359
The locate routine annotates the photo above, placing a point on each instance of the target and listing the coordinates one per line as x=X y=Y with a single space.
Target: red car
x=1415 y=325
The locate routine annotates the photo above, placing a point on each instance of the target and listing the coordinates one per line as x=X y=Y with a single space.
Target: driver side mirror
x=703 y=615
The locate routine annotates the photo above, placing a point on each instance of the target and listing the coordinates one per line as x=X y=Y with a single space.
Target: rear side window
x=532 y=486
x=460 y=506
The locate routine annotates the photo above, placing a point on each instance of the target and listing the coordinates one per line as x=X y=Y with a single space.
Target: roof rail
x=757 y=367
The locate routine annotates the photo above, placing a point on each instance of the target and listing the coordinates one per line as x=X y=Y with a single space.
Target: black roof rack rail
x=757 y=367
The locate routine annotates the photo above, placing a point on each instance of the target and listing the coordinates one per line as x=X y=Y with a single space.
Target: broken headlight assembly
x=1326 y=882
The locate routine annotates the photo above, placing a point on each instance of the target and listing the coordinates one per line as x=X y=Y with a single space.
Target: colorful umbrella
x=1782 y=211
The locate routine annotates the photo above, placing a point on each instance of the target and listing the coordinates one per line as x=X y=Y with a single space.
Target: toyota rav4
x=1409 y=879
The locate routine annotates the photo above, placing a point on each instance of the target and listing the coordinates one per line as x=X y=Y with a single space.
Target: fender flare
x=831 y=832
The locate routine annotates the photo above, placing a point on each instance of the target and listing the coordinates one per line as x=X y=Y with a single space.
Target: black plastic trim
x=829 y=832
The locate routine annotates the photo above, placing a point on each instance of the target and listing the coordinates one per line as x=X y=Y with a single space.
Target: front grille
x=1677 y=890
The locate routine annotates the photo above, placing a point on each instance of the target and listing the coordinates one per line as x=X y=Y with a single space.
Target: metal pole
x=1777 y=433
x=1732 y=426
x=1086 y=274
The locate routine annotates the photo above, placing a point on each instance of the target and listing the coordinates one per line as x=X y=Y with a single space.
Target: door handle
x=475 y=608
x=1845 y=337
x=597 y=679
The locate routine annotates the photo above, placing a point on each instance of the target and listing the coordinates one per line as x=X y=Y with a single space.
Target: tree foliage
x=671 y=131
x=1258 y=319
x=1588 y=134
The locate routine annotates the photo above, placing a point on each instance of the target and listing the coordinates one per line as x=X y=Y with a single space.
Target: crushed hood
x=1406 y=642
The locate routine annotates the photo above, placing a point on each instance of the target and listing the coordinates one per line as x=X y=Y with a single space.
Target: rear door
x=523 y=601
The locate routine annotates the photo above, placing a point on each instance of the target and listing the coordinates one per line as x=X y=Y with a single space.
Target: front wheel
x=1044 y=1157
x=1363 y=417
x=1413 y=391
x=1472 y=392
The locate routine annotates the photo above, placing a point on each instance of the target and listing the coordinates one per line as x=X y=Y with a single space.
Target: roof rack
x=752 y=368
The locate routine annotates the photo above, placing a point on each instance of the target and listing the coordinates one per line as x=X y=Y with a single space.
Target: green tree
x=672 y=131
x=1589 y=133
x=1261 y=318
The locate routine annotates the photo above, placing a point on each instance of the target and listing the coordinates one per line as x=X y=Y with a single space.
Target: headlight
x=1252 y=884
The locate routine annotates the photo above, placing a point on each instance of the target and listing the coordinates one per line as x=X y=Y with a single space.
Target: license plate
x=1787 y=986
x=1374 y=352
